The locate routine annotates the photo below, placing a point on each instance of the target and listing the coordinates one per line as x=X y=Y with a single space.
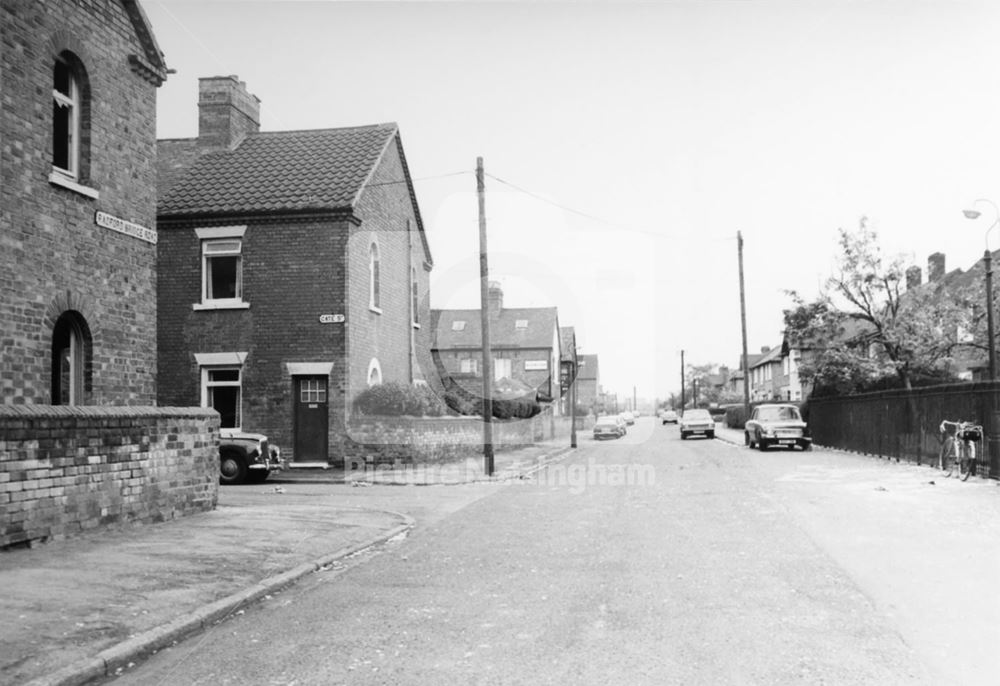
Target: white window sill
x=376 y=310
x=221 y=305
x=66 y=182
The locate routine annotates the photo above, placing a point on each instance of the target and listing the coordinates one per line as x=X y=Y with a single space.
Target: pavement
x=85 y=608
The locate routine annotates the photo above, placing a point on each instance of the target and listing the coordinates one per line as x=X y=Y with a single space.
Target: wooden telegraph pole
x=743 y=323
x=484 y=305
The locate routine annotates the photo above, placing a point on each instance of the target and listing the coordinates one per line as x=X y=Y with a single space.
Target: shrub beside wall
x=64 y=470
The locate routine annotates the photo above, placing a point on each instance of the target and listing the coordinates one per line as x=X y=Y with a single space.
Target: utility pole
x=682 y=382
x=484 y=313
x=743 y=323
x=635 y=400
x=572 y=411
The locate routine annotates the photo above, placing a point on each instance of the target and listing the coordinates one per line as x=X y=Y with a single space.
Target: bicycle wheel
x=966 y=460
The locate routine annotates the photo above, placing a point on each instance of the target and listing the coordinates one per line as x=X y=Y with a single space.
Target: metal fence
x=905 y=424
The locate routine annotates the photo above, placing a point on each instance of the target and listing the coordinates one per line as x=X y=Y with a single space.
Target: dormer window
x=458 y=325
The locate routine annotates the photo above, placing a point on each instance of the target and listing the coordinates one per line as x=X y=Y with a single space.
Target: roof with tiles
x=319 y=169
x=514 y=327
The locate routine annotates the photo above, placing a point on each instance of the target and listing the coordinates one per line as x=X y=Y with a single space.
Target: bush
x=394 y=399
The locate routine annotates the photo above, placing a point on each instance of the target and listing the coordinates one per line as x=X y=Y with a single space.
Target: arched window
x=415 y=297
x=374 y=301
x=374 y=373
x=69 y=116
x=70 y=355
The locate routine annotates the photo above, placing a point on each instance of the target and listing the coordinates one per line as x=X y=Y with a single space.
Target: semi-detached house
x=293 y=272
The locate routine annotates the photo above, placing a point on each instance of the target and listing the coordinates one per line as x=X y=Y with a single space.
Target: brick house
x=524 y=341
x=78 y=203
x=588 y=385
x=294 y=272
x=765 y=375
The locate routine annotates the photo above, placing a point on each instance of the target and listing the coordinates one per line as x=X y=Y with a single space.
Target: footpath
x=84 y=608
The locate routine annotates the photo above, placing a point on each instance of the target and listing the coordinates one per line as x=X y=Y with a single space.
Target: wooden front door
x=312 y=418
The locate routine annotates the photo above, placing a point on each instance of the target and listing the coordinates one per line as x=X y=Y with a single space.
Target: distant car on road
x=628 y=417
x=609 y=427
x=776 y=424
x=669 y=417
x=697 y=423
x=246 y=457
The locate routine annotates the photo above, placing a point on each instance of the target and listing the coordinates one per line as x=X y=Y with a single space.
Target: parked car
x=609 y=427
x=697 y=423
x=246 y=457
x=628 y=417
x=669 y=417
x=776 y=424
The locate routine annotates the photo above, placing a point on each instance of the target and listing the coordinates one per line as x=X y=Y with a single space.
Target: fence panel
x=904 y=424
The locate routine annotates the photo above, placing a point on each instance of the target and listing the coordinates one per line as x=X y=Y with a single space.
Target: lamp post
x=993 y=422
x=988 y=268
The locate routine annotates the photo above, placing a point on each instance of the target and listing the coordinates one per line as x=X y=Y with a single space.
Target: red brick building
x=524 y=340
x=294 y=272
x=78 y=203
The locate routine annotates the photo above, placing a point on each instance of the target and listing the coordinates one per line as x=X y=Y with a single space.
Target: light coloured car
x=608 y=427
x=775 y=424
x=628 y=417
x=669 y=417
x=697 y=422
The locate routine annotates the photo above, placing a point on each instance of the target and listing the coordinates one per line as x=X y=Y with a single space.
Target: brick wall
x=386 y=210
x=65 y=470
x=420 y=440
x=53 y=256
x=292 y=273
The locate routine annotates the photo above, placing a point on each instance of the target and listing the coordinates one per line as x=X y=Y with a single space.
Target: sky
x=626 y=143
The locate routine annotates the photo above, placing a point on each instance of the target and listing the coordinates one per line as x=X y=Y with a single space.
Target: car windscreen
x=777 y=414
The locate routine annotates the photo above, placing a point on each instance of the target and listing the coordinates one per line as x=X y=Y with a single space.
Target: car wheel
x=807 y=446
x=711 y=434
x=684 y=436
x=232 y=469
x=762 y=445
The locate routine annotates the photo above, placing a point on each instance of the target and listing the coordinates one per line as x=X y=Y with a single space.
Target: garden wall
x=422 y=440
x=64 y=470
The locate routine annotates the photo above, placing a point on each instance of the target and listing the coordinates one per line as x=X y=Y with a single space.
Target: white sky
x=670 y=125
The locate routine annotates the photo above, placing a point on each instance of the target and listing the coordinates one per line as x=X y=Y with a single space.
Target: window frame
x=216 y=235
x=207 y=384
x=73 y=102
x=374 y=278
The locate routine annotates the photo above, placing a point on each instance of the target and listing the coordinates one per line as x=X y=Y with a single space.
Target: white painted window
x=458 y=325
x=66 y=108
x=501 y=368
x=222 y=390
x=222 y=271
x=374 y=279
x=374 y=372
x=469 y=365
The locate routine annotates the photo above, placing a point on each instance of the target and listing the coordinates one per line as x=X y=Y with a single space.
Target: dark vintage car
x=246 y=457
x=776 y=425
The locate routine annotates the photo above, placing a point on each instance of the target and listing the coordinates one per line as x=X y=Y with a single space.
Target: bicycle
x=959 y=441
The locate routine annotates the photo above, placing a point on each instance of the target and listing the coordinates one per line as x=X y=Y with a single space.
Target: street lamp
x=988 y=267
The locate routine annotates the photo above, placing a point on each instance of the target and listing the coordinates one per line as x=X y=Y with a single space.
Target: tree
x=865 y=326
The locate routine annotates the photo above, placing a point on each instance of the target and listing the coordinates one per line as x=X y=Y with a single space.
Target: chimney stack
x=914 y=276
x=935 y=267
x=226 y=112
x=495 y=296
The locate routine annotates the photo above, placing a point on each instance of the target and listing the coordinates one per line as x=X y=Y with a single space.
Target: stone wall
x=64 y=470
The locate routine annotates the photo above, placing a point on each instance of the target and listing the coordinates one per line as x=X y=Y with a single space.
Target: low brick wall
x=438 y=439
x=64 y=470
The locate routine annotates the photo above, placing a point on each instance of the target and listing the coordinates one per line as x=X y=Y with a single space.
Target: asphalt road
x=645 y=560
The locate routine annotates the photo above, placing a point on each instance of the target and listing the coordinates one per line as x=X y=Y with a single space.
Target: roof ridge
x=361 y=127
